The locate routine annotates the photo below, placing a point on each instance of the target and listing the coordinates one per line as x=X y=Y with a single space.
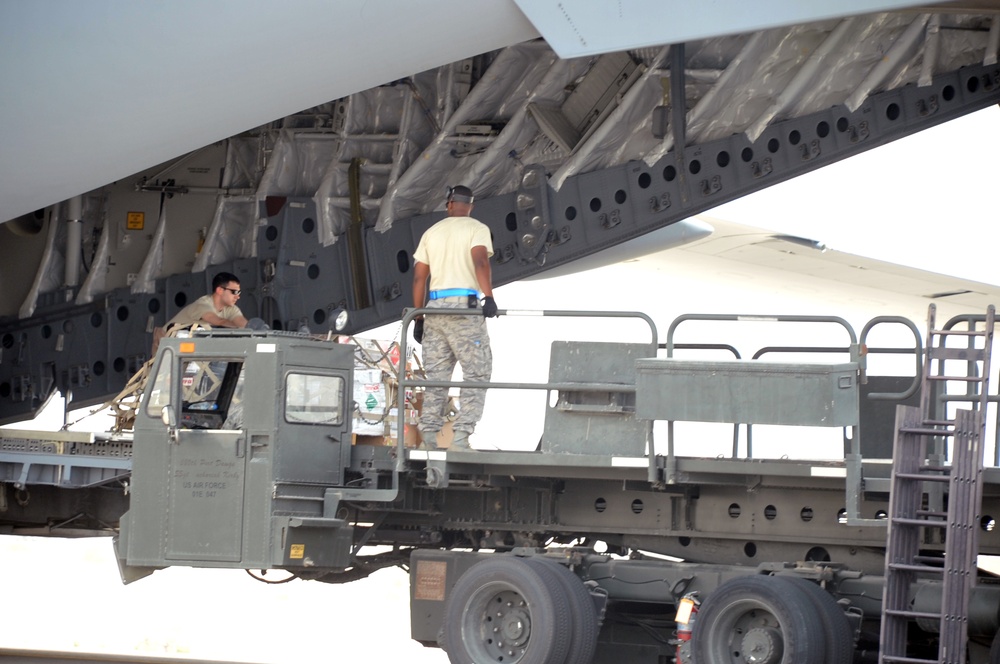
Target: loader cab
x=231 y=422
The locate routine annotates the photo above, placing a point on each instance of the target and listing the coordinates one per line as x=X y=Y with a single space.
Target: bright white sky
x=927 y=201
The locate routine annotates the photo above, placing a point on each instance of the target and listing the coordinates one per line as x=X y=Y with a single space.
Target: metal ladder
x=913 y=476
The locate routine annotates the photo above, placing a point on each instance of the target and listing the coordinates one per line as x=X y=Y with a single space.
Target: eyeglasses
x=234 y=291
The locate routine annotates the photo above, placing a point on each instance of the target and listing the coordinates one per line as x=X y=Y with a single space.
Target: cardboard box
x=446 y=434
x=411 y=437
x=367 y=440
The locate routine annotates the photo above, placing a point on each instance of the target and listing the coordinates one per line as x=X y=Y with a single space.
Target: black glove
x=418 y=330
x=489 y=307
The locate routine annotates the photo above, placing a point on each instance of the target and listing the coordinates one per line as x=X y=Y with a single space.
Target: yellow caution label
x=187 y=346
x=297 y=552
x=135 y=221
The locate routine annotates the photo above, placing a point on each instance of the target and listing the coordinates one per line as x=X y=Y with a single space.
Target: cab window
x=313 y=399
x=208 y=390
x=201 y=383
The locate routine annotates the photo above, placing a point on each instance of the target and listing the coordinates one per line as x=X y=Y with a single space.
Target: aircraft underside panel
x=89 y=351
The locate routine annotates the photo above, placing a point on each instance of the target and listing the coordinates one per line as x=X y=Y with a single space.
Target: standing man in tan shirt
x=454 y=255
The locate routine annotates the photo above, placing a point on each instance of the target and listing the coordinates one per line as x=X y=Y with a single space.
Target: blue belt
x=452 y=292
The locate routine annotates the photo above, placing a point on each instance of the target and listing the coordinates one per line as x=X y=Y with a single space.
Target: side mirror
x=168 y=416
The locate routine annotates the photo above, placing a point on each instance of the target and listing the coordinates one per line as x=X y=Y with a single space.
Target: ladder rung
x=959 y=333
x=930 y=560
x=942 y=423
x=926 y=432
x=954 y=353
x=930 y=513
x=921 y=477
x=966 y=379
x=919 y=522
x=915 y=615
x=908 y=660
x=922 y=569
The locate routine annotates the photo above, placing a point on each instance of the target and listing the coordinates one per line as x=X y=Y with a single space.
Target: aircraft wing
x=733 y=268
x=804 y=269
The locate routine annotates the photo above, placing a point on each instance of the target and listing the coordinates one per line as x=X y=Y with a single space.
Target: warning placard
x=135 y=221
x=431 y=579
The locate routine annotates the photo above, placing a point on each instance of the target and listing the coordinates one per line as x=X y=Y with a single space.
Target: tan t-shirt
x=446 y=248
x=193 y=312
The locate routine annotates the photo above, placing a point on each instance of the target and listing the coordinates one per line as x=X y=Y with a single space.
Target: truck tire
x=836 y=629
x=503 y=610
x=583 y=613
x=995 y=649
x=763 y=617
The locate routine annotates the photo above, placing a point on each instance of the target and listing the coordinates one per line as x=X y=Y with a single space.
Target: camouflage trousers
x=449 y=340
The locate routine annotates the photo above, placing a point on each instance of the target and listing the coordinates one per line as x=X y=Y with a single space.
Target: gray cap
x=460 y=194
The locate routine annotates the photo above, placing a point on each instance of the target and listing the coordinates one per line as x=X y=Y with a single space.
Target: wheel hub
x=762 y=645
x=508 y=627
x=515 y=627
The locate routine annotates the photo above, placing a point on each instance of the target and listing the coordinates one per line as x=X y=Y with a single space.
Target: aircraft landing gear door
x=207 y=466
x=315 y=445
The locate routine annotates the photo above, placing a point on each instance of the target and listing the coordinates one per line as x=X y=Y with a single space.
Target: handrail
x=917 y=351
x=799 y=349
x=853 y=349
x=752 y=318
x=403 y=382
x=729 y=347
